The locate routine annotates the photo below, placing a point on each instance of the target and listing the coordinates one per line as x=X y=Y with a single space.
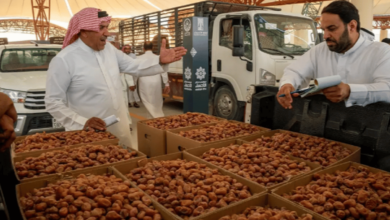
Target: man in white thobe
x=362 y=64
x=83 y=81
x=150 y=86
x=131 y=91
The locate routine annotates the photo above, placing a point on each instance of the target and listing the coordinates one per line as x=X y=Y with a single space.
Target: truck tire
x=226 y=104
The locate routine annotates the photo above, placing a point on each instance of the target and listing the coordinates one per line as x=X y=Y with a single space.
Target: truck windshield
x=288 y=35
x=27 y=59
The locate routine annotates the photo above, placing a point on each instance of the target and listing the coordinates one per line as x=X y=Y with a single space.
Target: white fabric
x=133 y=96
x=132 y=55
x=83 y=83
x=365 y=67
x=125 y=87
x=150 y=89
x=367 y=35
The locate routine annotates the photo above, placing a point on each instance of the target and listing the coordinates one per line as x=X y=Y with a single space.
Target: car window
x=31 y=59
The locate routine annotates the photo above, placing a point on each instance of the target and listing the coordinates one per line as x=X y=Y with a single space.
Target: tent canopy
x=62 y=10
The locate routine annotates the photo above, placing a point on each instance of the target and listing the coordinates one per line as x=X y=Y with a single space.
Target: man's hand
x=286 y=101
x=95 y=124
x=8 y=135
x=132 y=88
x=7 y=107
x=337 y=93
x=167 y=89
x=170 y=55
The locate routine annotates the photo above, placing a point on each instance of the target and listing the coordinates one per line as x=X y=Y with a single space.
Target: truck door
x=231 y=74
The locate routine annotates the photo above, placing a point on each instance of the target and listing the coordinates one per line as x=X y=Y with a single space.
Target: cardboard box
x=125 y=168
x=303 y=181
x=199 y=151
x=18 y=158
x=263 y=200
x=176 y=143
x=354 y=156
x=24 y=188
x=13 y=146
x=152 y=141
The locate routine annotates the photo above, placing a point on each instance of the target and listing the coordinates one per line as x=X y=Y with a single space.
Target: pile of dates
x=262 y=165
x=314 y=149
x=94 y=197
x=264 y=213
x=71 y=159
x=220 y=131
x=43 y=141
x=180 y=121
x=188 y=189
x=355 y=193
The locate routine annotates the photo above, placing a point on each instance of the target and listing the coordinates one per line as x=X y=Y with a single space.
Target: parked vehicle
x=272 y=40
x=23 y=70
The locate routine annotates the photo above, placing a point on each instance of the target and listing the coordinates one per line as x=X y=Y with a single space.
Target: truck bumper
x=34 y=123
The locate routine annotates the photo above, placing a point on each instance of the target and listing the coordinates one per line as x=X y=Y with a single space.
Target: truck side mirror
x=238 y=41
x=321 y=37
x=249 y=66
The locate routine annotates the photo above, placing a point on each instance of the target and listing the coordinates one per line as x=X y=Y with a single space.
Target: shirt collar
x=355 y=47
x=84 y=46
x=148 y=52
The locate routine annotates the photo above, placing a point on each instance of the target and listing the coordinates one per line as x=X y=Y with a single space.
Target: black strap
x=102 y=14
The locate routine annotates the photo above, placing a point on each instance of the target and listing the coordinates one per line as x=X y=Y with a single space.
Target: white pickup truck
x=23 y=70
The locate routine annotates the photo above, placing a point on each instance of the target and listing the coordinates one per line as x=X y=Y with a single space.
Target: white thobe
x=150 y=89
x=129 y=79
x=365 y=67
x=83 y=83
x=125 y=88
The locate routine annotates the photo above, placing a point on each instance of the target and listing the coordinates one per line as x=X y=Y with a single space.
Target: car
x=23 y=71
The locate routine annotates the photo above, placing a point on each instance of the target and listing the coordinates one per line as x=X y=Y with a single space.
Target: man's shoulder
x=67 y=51
x=377 y=48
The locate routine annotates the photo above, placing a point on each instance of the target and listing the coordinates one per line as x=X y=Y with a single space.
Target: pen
x=296 y=91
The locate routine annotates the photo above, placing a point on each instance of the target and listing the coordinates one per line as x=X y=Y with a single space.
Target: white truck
x=272 y=40
x=23 y=70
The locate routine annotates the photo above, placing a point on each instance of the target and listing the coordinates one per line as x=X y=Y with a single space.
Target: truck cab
x=272 y=40
x=23 y=70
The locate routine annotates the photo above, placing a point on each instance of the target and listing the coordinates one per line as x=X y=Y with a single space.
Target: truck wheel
x=226 y=104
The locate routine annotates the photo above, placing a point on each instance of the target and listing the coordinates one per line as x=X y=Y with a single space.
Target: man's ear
x=352 y=26
x=83 y=34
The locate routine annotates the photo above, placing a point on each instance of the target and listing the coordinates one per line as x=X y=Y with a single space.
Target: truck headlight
x=16 y=96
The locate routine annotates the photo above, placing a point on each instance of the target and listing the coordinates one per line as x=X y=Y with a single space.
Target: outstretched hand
x=170 y=55
x=286 y=101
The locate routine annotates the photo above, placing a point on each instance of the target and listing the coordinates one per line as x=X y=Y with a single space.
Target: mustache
x=330 y=40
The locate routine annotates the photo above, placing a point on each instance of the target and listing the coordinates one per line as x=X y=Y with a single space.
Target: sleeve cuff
x=357 y=95
x=81 y=120
x=167 y=84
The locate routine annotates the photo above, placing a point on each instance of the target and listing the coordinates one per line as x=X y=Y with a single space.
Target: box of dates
x=187 y=138
x=45 y=142
x=152 y=133
x=97 y=193
x=264 y=166
x=37 y=165
x=345 y=191
x=315 y=149
x=265 y=206
x=186 y=186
